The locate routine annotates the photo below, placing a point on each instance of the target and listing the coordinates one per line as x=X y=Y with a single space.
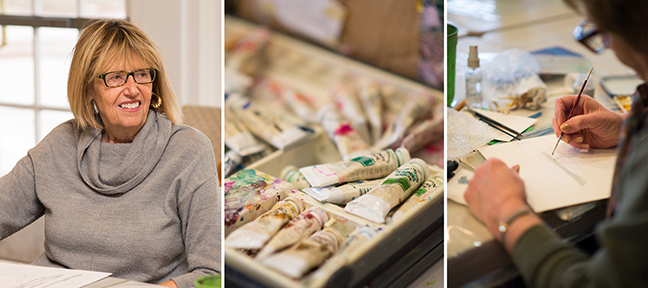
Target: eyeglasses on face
x=119 y=78
x=588 y=34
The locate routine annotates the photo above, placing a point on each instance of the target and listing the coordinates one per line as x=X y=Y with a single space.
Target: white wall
x=189 y=34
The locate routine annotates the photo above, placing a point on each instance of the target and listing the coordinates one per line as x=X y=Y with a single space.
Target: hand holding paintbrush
x=571 y=112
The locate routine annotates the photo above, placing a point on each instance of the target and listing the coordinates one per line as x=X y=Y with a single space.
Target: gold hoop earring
x=157 y=103
x=94 y=104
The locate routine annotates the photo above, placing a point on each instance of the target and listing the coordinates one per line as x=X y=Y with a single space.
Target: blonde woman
x=124 y=187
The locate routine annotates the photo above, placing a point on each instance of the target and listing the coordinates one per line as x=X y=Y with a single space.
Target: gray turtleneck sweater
x=147 y=211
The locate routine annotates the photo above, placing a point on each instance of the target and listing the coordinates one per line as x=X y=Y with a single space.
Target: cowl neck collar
x=143 y=154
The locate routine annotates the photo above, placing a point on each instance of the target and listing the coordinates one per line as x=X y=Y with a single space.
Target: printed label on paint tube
x=347 y=102
x=272 y=127
x=305 y=224
x=372 y=102
x=301 y=258
x=351 y=244
x=349 y=143
x=255 y=234
x=375 y=205
x=417 y=108
x=239 y=138
x=374 y=166
x=343 y=193
x=430 y=190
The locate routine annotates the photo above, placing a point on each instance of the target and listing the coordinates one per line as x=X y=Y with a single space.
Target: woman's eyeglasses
x=119 y=78
x=588 y=34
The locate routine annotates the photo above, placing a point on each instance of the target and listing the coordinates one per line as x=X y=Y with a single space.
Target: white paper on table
x=569 y=177
x=516 y=123
x=458 y=184
x=14 y=275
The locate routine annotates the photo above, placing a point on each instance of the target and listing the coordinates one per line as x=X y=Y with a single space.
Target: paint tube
x=233 y=162
x=305 y=224
x=238 y=137
x=254 y=235
x=357 y=239
x=348 y=141
x=303 y=257
x=250 y=193
x=276 y=129
x=424 y=133
x=300 y=105
x=430 y=190
x=376 y=165
x=417 y=107
x=246 y=55
x=347 y=102
x=343 y=193
x=369 y=93
x=375 y=205
x=291 y=174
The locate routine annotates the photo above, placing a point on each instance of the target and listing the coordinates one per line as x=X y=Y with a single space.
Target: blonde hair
x=102 y=43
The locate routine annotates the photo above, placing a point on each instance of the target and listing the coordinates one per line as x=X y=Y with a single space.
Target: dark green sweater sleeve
x=545 y=261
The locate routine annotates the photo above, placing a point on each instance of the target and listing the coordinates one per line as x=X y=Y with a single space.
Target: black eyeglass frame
x=132 y=73
x=578 y=35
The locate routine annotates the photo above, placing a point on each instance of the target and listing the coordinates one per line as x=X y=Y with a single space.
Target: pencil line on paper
x=578 y=179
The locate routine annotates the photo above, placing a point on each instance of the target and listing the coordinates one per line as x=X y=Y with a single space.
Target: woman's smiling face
x=123 y=109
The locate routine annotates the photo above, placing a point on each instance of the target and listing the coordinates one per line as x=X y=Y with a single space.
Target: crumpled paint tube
x=232 y=162
x=291 y=174
x=369 y=93
x=268 y=125
x=310 y=253
x=417 y=107
x=299 y=104
x=255 y=234
x=348 y=141
x=376 y=165
x=430 y=190
x=250 y=193
x=347 y=102
x=395 y=189
x=424 y=133
x=246 y=55
x=302 y=226
x=238 y=137
x=357 y=239
x=342 y=194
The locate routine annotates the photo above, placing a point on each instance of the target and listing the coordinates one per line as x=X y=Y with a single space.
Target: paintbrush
x=571 y=112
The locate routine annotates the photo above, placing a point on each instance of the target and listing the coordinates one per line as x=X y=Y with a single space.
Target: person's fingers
x=580 y=122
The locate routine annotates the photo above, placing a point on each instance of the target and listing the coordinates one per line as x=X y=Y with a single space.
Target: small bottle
x=474 y=97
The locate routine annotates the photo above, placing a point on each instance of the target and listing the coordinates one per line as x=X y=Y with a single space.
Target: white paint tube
x=395 y=189
x=417 y=107
x=369 y=93
x=431 y=190
x=343 y=193
x=303 y=257
x=232 y=161
x=268 y=125
x=424 y=133
x=255 y=234
x=347 y=102
x=238 y=137
x=348 y=141
x=292 y=175
x=305 y=224
x=357 y=239
x=376 y=165
x=299 y=104
x=246 y=55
